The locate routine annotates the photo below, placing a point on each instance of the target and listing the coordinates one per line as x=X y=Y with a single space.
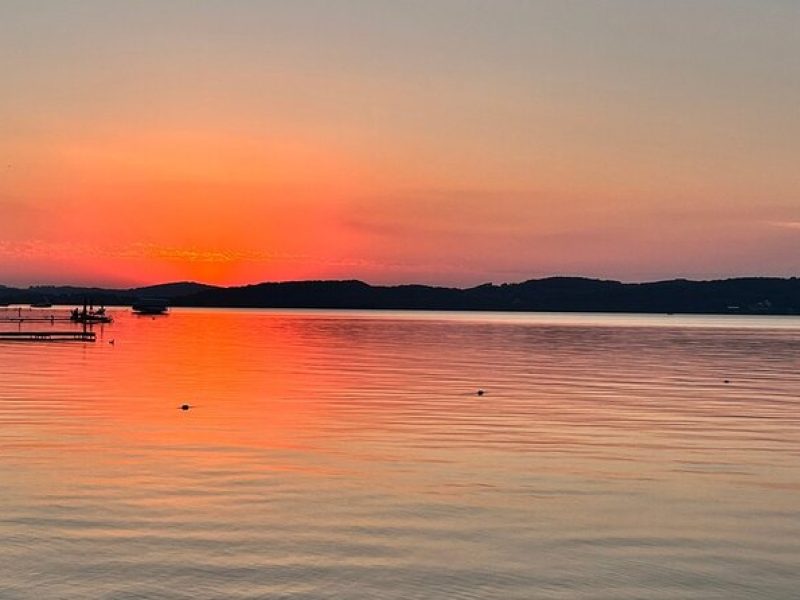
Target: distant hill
x=746 y=295
x=169 y=291
x=753 y=295
x=76 y=295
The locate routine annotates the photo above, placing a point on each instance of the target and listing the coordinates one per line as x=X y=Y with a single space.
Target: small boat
x=150 y=306
x=89 y=315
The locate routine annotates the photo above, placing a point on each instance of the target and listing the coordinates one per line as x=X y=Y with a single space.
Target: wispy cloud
x=42 y=248
x=785 y=224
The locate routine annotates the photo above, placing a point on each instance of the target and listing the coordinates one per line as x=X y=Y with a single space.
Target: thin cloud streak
x=785 y=224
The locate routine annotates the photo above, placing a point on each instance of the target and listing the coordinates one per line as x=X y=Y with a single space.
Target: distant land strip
x=748 y=295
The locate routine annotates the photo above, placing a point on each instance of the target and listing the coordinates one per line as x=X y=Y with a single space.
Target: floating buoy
x=481 y=392
x=185 y=407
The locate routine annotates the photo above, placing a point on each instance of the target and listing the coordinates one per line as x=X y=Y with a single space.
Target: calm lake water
x=346 y=455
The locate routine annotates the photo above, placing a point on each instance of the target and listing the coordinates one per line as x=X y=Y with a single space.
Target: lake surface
x=347 y=455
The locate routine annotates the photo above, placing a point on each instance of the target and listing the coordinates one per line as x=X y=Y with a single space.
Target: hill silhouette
x=751 y=295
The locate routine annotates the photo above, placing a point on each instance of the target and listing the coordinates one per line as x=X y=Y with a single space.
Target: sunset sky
x=431 y=141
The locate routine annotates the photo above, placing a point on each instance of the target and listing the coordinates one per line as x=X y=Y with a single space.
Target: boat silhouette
x=150 y=306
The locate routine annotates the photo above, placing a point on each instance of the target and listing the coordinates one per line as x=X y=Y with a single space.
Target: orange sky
x=449 y=142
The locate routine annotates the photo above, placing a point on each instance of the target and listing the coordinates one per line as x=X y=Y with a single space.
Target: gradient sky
x=435 y=141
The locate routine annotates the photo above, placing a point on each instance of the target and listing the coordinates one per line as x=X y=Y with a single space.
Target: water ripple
x=348 y=455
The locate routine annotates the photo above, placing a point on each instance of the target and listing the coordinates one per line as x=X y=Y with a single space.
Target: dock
x=20 y=315
x=88 y=316
x=50 y=319
x=48 y=336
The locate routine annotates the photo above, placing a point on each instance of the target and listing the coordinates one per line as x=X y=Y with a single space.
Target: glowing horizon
x=447 y=143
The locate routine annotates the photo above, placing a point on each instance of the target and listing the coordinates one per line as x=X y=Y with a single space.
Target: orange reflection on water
x=322 y=441
x=246 y=378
